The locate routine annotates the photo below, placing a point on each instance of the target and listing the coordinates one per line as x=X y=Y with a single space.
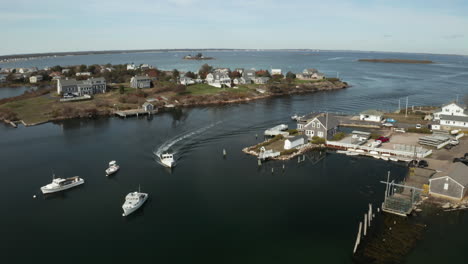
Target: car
x=384 y=139
x=466 y=156
x=418 y=126
x=401 y=130
x=454 y=142
x=387 y=124
x=423 y=164
x=462 y=160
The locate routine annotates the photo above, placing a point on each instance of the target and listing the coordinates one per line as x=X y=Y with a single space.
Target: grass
x=31 y=110
x=204 y=89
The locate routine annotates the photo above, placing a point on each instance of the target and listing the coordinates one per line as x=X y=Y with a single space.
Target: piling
x=283 y=167
x=272 y=170
x=358 y=238
x=224 y=152
x=259 y=162
x=365 y=224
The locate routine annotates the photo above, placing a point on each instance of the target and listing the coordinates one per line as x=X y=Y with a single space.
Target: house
x=451 y=109
x=239 y=70
x=186 y=80
x=261 y=80
x=322 y=125
x=145 y=67
x=64 y=71
x=35 y=78
x=452 y=184
x=222 y=70
x=218 y=80
x=83 y=74
x=2 y=78
x=131 y=67
x=318 y=76
x=80 y=88
x=310 y=74
x=450 y=121
x=249 y=74
x=371 y=116
x=148 y=107
x=295 y=142
x=275 y=71
x=140 y=82
x=242 y=80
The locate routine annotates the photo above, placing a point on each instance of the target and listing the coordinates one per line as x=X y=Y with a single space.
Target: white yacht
x=167 y=160
x=113 y=168
x=59 y=184
x=133 y=201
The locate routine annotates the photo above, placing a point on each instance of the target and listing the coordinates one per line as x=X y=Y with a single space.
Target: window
x=445 y=186
x=320 y=134
x=312 y=124
x=318 y=125
x=312 y=133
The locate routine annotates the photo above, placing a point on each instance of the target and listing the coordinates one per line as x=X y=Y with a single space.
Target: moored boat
x=59 y=184
x=113 y=168
x=133 y=201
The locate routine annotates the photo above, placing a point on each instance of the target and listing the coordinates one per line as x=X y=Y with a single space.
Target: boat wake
x=169 y=144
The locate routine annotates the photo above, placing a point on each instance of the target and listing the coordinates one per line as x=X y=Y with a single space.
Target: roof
x=456 y=103
x=331 y=121
x=141 y=77
x=457 y=171
x=296 y=138
x=372 y=112
x=454 y=118
x=146 y=104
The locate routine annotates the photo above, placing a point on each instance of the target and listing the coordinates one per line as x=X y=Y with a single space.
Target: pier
x=134 y=112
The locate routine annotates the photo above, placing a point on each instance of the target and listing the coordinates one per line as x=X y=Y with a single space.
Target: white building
x=294 y=142
x=371 y=116
x=451 y=109
x=148 y=107
x=186 y=80
x=140 y=82
x=275 y=71
x=80 y=88
x=450 y=121
x=35 y=78
x=83 y=74
x=218 y=80
x=131 y=67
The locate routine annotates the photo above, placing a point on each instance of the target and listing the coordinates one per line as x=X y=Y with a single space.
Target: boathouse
x=371 y=116
x=295 y=142
x=148 y=107
x=452 y=184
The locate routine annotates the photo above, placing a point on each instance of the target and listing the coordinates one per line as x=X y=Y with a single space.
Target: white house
x=275 y=71
x=371 y=116
x=131 y=67
x=449 y=121
x=35 y=78
x=451 y=109
x=242 y=80
x=452 y=184
x=140 y=82
x=295 y=142
x=83 y=74
x=261 y=80
x=186 y=80
x=148 y=107
x=218 y=80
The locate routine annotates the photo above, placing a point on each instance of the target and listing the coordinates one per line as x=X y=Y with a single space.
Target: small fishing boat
x=113 y=168
x=59 y=184
x=167 y=160
x=384 y=158
x=393 y=159
x=360 y=151
x=352 y=153
x=373 y=152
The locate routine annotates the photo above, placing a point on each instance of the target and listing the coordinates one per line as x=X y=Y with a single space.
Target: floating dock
x=134 y=112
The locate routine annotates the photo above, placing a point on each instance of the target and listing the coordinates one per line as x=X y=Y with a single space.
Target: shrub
x=423 y=130
x=318 y=140
x=339 y=136
x=293 y=131
x=288 y=151
x=374 y=136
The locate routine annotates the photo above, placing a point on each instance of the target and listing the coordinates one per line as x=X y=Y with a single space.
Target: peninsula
x=397 y=61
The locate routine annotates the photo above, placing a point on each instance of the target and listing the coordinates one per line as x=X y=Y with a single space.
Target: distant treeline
x=397 y=61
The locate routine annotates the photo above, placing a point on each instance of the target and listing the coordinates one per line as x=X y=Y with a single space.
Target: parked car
x=387 y=124
x=418 y=126
x=423 y=164
x=401 y=130
x=462 y=160
x=384 y=139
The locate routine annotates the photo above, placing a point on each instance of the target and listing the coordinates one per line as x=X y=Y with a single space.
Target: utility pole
x=399 y=105
x=406 y=109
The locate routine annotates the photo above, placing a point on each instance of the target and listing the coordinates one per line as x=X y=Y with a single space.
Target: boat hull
x=63 y=188
x=128 y=211
x=111 y=171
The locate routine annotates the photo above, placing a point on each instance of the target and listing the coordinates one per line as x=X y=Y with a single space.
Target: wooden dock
x=134 y=112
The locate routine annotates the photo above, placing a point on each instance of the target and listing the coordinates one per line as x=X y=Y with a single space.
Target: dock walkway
x=134 y=112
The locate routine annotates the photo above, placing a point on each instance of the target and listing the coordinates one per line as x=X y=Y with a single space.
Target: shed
x=451 y=184
x=295 y=142
x=371 y=115
x=148 y=107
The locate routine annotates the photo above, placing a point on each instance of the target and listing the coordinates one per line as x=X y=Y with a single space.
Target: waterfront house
x=318 y=76
x=261 y=80
x=310 y=74
x=275 y=71
x=80 y=88
x=453 y=121
x=131 y=67
x=322 y=125
x=145 y=67
x=239 y=70
x=83 y=74
x=142 y=81
x=451 y=109
x=184 y=80
x=371 y=116
x=295 y=142
x=242 y=80
x=218 y=80
x=64 y=71
x=148 y=107
x=35 y=78
x=249 y=74
x=452 y=184
x=2 y=78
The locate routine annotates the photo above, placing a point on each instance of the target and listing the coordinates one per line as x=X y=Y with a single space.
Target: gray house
x=249 y=74
x=140 y=82
x=322 y=125
x=148 y=107
x=452 y=184
x=80 y=88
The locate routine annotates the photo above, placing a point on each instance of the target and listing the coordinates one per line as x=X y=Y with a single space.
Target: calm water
x=6 y=92
x=210 y=209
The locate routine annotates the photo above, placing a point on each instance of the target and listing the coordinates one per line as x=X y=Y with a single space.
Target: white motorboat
x=360 y=150
x=133 y=201
x=167 y=160
x=113 y=168
x=342 y=151
x=352 y=153
x=373 y=152
x=393 y=159
x=375 y=156
x=384 y=158
x=59 y=184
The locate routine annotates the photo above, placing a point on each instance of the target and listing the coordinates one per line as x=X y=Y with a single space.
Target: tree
x=235 y=74
x=175 y=74
x=262 y=73
x=121 y=89
x=56 y=68
x=190 y=75
x=82 y=68
x=199 y=55
x=290 y=75
x=204 y=70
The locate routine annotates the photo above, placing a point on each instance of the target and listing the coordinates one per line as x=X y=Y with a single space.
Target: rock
x=446 y=206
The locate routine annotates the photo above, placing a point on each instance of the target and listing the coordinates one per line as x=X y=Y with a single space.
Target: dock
x=134 y=112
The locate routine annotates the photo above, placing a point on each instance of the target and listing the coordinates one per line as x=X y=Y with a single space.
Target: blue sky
x=430 y=26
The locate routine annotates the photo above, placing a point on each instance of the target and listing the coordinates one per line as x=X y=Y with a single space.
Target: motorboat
x=352 y=153
x=133 y=201
x=59 y=184
x=113 y=168
x=393 y=159
x=167 y=160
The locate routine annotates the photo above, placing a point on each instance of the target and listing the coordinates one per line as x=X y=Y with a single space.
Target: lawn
x=205 y=89
x=31 y=110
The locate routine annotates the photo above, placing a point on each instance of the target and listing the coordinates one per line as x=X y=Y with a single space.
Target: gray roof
x=457 y=103
x=297 y=137
x=146 y=104
x=372 y=112
x=457 y=171
x=454 y=118
x=331 y=121
x=141 y=77
x=65 y=82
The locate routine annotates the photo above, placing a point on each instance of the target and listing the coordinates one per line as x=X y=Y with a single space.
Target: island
x=397 y=61
x=199 y=56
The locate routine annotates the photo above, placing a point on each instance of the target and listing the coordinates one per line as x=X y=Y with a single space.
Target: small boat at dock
x=59 y=184
x=393 y=159
x=113 y=168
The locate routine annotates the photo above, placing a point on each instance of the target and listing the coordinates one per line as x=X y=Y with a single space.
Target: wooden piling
x=259 y=162
x=365 y=224
x=358 y=238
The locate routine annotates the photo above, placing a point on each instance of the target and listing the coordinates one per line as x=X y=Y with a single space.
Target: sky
x=31 y=26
